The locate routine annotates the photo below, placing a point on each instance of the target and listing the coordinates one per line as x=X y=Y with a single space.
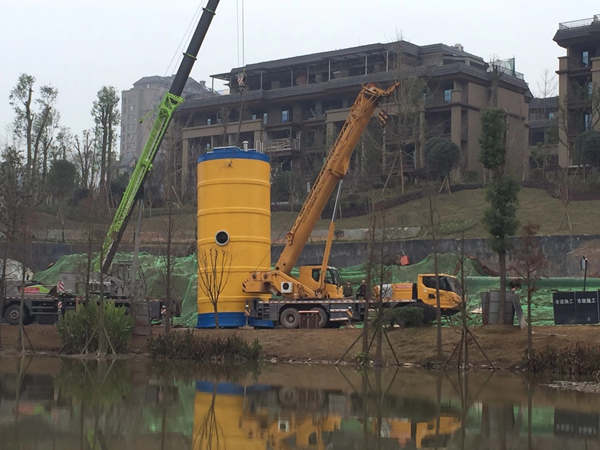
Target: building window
x=285 y=115
x=585 y=58
x=590 y=89
x=587 y=121
x=253 y=116
x=551 y=115
x=447 y=95
x=209 y=121
x=265 y=118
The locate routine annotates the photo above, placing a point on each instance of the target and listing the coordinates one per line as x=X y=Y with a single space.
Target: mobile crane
x=319 y=287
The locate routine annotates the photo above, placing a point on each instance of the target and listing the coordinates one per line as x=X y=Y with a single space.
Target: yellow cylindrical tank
x=234 y=219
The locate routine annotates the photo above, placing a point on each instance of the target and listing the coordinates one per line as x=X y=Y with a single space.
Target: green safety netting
x=184 y=278
x=153 y=270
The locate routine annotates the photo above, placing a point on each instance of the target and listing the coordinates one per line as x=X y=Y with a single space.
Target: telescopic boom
x=169 y=103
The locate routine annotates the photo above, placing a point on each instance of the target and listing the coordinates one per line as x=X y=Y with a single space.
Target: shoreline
x=415 y=347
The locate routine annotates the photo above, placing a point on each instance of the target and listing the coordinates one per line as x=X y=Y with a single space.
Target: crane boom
x=333 y=170
x=171 y=100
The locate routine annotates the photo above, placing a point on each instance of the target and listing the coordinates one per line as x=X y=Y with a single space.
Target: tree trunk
x=21 y=342
x=401 y=171
x=370 y=261
x=104 y=130
x=168 y=290
x=109 y=157
x=3 y=282
x=529 y=330
x=215 y=307
x=28 y=132
x=502 y=266
x=101 y=329
x=438 y=311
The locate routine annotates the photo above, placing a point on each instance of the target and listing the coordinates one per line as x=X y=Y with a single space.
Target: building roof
x=191 y=87
x=350 y=52
x=352 y=82
x=577 y=31
x=544 y=103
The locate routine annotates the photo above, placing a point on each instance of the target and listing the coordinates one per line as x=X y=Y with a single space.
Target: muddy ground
x=505 y=346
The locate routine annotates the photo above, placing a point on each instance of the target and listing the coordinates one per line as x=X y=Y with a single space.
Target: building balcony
x=280 y=146
x=579 y=23
x=218 y=129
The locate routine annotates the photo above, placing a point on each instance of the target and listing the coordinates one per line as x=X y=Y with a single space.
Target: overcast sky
x=79 y=46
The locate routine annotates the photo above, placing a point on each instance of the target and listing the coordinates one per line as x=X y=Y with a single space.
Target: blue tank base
x=226 y=320
x=261 y=323
x=231 y=320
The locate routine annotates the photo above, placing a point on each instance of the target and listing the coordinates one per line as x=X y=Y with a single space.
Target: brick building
x=292 y=108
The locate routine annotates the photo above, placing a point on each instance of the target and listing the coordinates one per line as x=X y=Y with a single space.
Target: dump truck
x=424 y=291
x=318 y=288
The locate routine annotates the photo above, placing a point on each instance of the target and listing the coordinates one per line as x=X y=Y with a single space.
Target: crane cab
x=309 y=276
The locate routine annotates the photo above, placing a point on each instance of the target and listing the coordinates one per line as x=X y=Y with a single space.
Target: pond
x=51 y=403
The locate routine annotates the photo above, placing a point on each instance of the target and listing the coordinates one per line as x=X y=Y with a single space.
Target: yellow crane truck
x=318 y=288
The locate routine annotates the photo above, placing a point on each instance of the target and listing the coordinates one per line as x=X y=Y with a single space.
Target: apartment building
x=293 y=108
x=578 y=82
x=543 y=132
x=137 y=107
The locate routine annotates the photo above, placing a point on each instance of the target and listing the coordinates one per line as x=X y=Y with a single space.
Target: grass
x=458 y=212
x=464 y=211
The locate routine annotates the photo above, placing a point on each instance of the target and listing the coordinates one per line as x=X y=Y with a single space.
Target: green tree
x=441 y=156
x=493 y=140
x=502 y=194
x=587 y=147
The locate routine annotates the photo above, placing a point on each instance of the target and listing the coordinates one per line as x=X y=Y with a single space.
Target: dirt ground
x=505 y=346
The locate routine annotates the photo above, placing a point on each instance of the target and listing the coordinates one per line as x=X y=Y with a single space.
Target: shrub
x=405 y=316
x=79 y=328
x=575 y=361
x=186 y=345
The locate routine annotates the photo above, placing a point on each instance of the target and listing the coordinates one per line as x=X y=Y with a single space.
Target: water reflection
x=54 y=404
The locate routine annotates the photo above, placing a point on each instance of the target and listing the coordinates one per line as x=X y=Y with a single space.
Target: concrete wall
x=563 y=253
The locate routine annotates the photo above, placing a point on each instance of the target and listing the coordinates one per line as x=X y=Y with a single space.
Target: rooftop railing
x=579 y=23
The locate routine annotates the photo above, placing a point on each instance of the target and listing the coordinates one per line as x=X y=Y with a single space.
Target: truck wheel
x=323 y=319
x=289 y=318
x=12 y=314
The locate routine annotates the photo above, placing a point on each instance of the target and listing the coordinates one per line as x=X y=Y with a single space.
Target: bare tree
x=84 y=157
x=35 y=125
x=213 y=275
x=529 y=261
x=209 y=435
x=547 y=85
x=106 y=116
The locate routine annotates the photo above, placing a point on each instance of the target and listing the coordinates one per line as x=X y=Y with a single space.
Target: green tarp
x=185 y=278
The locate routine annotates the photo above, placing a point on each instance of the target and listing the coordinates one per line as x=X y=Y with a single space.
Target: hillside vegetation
x=457 y=212
x=463 y=211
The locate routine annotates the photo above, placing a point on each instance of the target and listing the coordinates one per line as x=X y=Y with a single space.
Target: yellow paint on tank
x=234 y=216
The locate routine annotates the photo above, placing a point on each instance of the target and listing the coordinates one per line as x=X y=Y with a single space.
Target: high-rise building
x=137 y=111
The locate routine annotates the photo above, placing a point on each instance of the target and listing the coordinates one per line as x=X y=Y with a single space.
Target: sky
x=80 y=46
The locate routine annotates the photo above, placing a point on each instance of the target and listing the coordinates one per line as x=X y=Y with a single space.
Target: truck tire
x=289 y=318
x=12 y=313
x=323 y=318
